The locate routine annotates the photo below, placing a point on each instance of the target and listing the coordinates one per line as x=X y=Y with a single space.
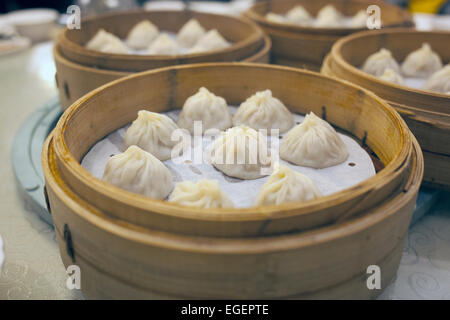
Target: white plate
x=14 y=45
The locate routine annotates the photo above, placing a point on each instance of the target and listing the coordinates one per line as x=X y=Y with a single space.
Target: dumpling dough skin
x=286 y=185
x=263 y=111
x=204 y=194
x=392 y=76
x=377 y=63
x=152 y=132
x=421 y=63
x=139 y=172
x=142 y=35
x=107 y=43
x=206 y=107
x=313 y=143
x=439 y=81
x=163 y=45
x=212 y=40
x=328 y=17
x=277 y=18
x=190 y=33
x=240 y=152
x=299 y=16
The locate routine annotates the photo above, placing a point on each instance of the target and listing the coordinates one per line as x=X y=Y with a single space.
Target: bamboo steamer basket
x=349 y=107
x=426 y=113
x=246 y=38
x=306 y=47
x=75 y=80
x=119 y=260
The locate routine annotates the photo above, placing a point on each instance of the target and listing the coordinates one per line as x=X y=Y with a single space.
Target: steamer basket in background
x=246 y=38
x=75 y=80
x=426 y=113
x=307 y=46
x=349 y=107
x=80 y=70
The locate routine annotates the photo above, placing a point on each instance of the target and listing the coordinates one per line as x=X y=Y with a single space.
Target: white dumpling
x=286 y=185
x=359 y=20
x=276 y=18
x=263 y=111
x=377 y=63
x=439 y=81
x=142 y=35
x=313 y=143
x=392 y=76
x=328 y=17
x=163 y=45
x=202 y=194
x=212 y=40
x=152 y=132
x=421 y=63
x=206 y=107
x=139 y=172
x=299 y=16
x=241 y=152
x=190 y=33
x=106 y=42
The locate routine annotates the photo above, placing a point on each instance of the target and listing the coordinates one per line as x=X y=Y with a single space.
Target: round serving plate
x=121 y=260
x=246 y=38
x=75 y=80
x=426 y=113
x=299 y=46
x=349 y=107
x=26 y=156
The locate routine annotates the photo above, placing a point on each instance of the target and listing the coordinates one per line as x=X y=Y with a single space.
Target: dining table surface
x=33 y=268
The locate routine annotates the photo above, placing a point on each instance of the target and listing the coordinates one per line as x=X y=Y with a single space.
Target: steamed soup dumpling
x=190 y=33
x=313 y=143
x=212 y=40
x=299 y=16
x=359 y=20
x=263 y=111
x=163 y=45
x=152 y=132
x=139 y=172
x=204 y=194
x=439 y=81
x=206 y=107
x=241 y=152
x=392 y=76
x=274 y=17
x=329 y=17
x=142 y=35
x=106 y=42
x=421 y=63
x=377 y=63
x=286 y=185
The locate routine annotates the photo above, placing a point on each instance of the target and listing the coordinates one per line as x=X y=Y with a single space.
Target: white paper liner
x=356 y=169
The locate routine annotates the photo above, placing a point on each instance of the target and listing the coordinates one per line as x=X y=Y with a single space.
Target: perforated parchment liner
x=356 y=169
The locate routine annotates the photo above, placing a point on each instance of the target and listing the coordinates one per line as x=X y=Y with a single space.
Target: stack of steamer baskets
x=131 y=246
x=306 y=47
x=426 y=113
x=80 y=70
